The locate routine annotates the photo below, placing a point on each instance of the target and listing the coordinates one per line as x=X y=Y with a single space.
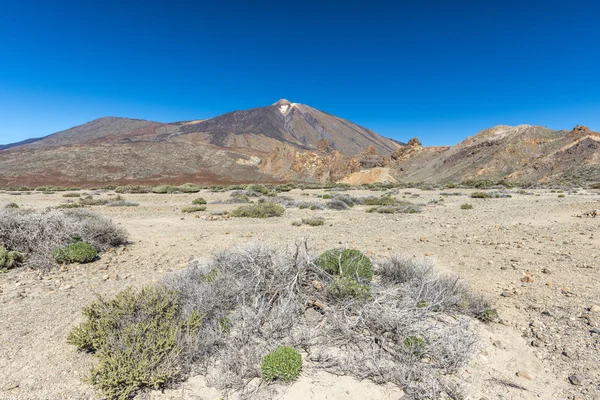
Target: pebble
x=595 y=309
x=575 y=380
x=525 y=375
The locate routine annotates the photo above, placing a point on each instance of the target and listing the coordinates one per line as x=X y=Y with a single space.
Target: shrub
x=72 y=195
x=66 y=206
x=349 y=263
x=79 y=252
x=343 y=287
x=337 y=205
x=93 y=202
x=11 y=206
x=259 y=210
x=466 y=206
x=284 y=363
x=326 y=196
x=135 y=338
x=193 y=209
x=37 y=233
x=313 y=221
x=561 y=195
x=258 y=189
x=9 y=259
x=380 y=201
x=480 y=195
x=199 y=201
x=133 y=189
x=123 y=203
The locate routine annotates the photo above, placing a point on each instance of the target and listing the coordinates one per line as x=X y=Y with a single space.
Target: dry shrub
x=37 y=233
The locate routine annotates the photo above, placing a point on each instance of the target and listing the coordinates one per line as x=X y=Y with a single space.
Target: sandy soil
x=530 y=255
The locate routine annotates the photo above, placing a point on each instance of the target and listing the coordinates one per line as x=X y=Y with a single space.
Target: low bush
x=93 y=202
x=379 y=201
x=66 y=206
x=78 y=252
x=37 y=233
x=199 y=201
x=262 y=189
x=466 y=206
x=313 y=221
x=349 y=263
x=343 y=287
x=480 y=195
x=193 y=209
x=259 y=210
x=123 y=203
x=11 y=206
x=284 y=363
x=337 y=205
x=135 y=337
x=10 y=259
x=72 y=195
x=133 y=189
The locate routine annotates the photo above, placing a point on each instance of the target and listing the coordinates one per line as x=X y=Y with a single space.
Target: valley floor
x=530 y=255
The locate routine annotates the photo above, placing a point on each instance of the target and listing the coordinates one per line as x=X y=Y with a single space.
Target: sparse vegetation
x=72 y=195
x=11 y=206
x=313 y=221
x=122 y=203
x=349 y=263
x=480 y=195
x=77 y=252
x=283 y=363
x=37 y=233
x=9 y=259
x=199 y=201
x=193 y=209
x=259 y=210
x=466 y=206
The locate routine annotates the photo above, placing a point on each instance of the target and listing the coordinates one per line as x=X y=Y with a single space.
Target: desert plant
x=93 y=202
x=72 y=195
x=466 y=206
x=349 y=263
x=343 y=287
x=337 y=205
x=326 y=196
x=379 y=201
x=313 y=221
x=135 y=338
x=283 y=363
x=193 y=209
x=258 y=189
x=259 y=210
x=66 y=206
x=11 y=206
x=199 y=201
x=122 y=203
x=561 y=195
x=79 y=252
x=480 y=195
x=9 y=259
x=37 y=233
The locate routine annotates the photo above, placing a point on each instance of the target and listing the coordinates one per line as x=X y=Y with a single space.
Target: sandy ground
x=530 y=255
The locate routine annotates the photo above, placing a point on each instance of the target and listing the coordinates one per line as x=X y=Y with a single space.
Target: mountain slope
x=234 y=147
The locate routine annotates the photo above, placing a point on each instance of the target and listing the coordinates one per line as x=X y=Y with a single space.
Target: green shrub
x=66 y=206
x=413 y=342
x=199 y=201
x=487 y=315
x=133 y=189
x=380 y=201
x=326 y=196
x=422 y=304
x=284 y=363
x=193 y=209
x=163 y=189
x=262 y=189
x=349 y=263
x=134 y=336
x=313 y=221
x=466 y=206
x=480 y=195
x=11 y=206
x=561 y=195
x=72 y=195
x=9 y=259
x=189 y=188
x=259 y=210
x=93 y=202
x=349 y=287
x=80 y=252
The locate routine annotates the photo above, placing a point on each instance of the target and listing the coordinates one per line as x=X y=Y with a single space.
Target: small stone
x=66 y=287
x=546 y=271
x=595 y=330
x=527 y=279
x=525 y=375
x=575 y=380
x=595 y=309
x=105 y=278
x=505 y=293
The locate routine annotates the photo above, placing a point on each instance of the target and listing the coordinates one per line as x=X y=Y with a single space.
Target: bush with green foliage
x=259 y=210
x=11 y=206
x=93 y=202
x=385 y=200
x=133 y=189
x=9 y=259
x=193 y=209
x=313 y=221
x=466 y=206
x=135 y=338
x=72 y=195
x=262 y=189
x=80 y=252
x=344 y=287
x=349 y=263
x=480 y=195
x=123 y=203
x=326 y=196
x=66 y=206
x=283 y=363
x=199 y=201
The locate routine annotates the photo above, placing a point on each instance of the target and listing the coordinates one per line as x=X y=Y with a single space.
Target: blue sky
x=439 y=70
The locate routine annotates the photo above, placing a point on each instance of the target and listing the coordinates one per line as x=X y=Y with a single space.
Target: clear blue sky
x=440 y=70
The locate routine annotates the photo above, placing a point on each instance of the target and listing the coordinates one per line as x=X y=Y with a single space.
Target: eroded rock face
x=412 y=147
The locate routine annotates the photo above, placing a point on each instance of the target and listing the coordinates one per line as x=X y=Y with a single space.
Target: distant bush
x=66 y=206
x=284 y=363
x=326 y=196
x=262 y=189
x=93 y=202
x=337 y=205
x=9 y=259
x=123 y=203
x=193 y=209
x=313 y=221
x=379 y=201
x=79 y=252
x=37 y=233
x=466 y=206
x=561 y=195
x=199 y=201
x=480 y=195
x=259 y=210
x=348 y=263
x=11 y=206
x=133 y=189
x=71 y=195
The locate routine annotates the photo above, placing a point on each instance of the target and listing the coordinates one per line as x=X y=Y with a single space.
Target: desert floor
x=530 y=255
